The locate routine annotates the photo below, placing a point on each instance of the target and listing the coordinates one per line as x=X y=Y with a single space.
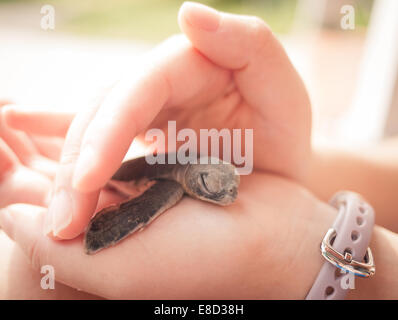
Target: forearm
x=372 y=172
x=384 y=246
x=384 y=284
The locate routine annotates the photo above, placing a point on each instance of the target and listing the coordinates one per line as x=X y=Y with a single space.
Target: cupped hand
x=266 y=245
x=226 y=71
x=28 y=164
x=255 y=248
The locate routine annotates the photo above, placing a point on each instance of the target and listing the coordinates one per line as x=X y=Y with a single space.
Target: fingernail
x=60 y=212
x=201 y=16
x=83 y=164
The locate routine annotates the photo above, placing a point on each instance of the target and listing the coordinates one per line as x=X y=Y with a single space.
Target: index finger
x=242 y=45
x=170 y=76
x=95 y=146
x=174 y=75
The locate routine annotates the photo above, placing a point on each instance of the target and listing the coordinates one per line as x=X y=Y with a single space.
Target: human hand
x=266 y=245
x=28 y=162
x=26 y=166
x=228 y=71
x=215 y=247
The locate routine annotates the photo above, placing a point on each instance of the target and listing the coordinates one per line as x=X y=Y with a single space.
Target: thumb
x=23 y=223
x=20 y=222
x=245 y=44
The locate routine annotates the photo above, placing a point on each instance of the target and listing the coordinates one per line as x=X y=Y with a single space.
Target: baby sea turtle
x=209 y=180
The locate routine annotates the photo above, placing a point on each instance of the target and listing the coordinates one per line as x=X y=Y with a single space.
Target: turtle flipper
x=114 y=223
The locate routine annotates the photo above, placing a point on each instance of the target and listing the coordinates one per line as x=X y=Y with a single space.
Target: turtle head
x=213 y=181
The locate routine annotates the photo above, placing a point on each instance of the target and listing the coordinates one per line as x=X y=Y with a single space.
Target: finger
x=17 y=140
x=19 y=184
x=8 y=159
x=70 y=210
x=50 y=147
x=132 y=105
x=27 y=153
x=24 y=185
x=22 y=223
x=24 y=148
x=180 y=240
x=43 y=165
x=4 y=102
x=38 y=122
x=11 y=220
x=246 y=45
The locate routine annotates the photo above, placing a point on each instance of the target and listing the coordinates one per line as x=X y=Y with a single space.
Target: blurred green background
x=153 y=20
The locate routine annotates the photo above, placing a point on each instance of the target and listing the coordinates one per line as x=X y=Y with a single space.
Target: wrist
x=384 y=246
x=317 y=174
x=306 y=261
x=384 y=284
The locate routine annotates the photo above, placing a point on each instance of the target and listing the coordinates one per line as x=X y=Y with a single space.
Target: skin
x=240 y=77
x=251 y=227
x=353 y=170
x=273 y=217
x=269 y=237
x=215 y=183
x=187 y=243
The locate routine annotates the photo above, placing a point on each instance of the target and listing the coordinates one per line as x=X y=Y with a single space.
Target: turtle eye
x=210 y=185
x=203 y=181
